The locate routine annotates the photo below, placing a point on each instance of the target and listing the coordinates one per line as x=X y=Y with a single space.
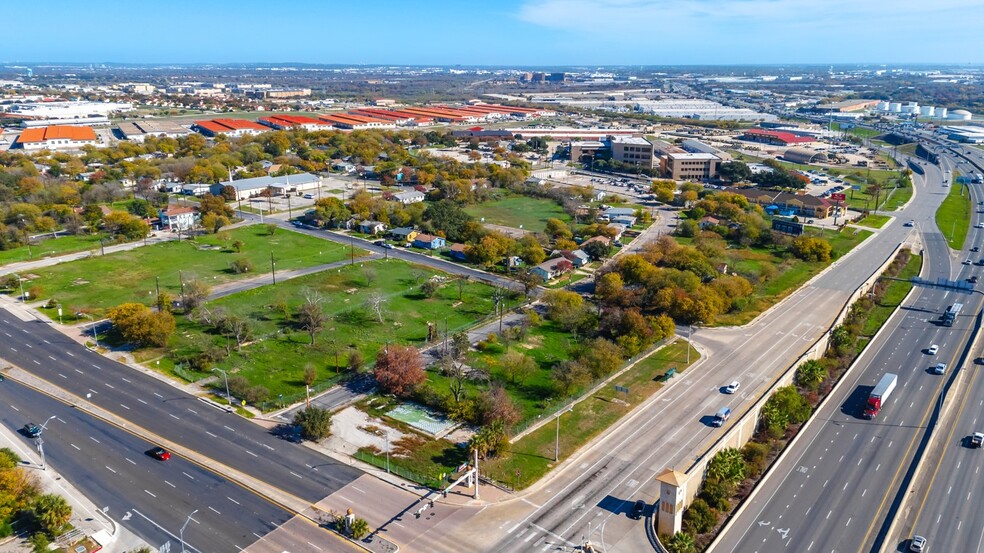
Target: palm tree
x=52 y=512
x=681 y=543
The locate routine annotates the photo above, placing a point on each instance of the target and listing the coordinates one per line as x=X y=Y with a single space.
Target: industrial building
x=778 y=138
x=277 y=186
x=971 y=134
x=228 y=127
x=57 y=137
x=65 y=110
x=804 y=156
x=288 y=122
x=138 y=130
x=355 y=122
x=846 y=106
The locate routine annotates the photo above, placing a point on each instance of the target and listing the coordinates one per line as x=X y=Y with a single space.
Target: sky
x=495 y=32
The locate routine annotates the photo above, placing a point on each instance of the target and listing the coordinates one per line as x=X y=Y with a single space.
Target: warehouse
x=228 y=127
x=779 y=138
x=137 y=131
x=57 y=137
x=277 y=186
x=288 y=122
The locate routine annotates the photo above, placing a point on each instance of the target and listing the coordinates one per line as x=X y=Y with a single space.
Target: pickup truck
x=977 y=439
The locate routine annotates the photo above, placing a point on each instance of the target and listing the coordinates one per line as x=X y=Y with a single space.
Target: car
x=388 y=246
x=379 y=242
x=638 y=509
x=721 y=416
x=732 y=388
x=918 y=544
x=933 y=349
x=977 y=439
x=309 y=196
x=972 y=279
x=160 y=454
x=940 y=368
x=910 y=223
x=966 y=262
x=979 y=225
x=32 y=430
x=975 y=249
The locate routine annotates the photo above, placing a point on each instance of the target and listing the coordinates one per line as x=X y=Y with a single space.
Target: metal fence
x=406 y=474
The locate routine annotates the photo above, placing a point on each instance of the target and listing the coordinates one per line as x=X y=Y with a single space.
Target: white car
x=979 y=225
x=933 y=349
x=910 y=223
x=732 y=388
x=918 y=544
x=966 y=262
x=940 y=368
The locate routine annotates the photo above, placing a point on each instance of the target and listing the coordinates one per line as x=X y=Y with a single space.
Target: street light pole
x=181 y=533
x=226 y=377
x=40 y=443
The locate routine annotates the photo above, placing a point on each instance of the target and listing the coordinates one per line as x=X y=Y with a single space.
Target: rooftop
x=57 y=132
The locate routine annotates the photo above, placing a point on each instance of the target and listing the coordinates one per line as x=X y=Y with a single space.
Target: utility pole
x=352 y=249
x=273 y=269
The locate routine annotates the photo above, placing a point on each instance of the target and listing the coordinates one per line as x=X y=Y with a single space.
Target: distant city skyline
x=508 y=32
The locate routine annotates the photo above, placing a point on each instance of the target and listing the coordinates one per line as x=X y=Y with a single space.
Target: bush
x=241 y=265
x=699 y=518
x=360 y=528
x=756 y=456
x=314 y=422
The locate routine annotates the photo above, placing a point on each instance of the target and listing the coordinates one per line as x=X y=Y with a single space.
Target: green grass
x=99 y=282
x=895 y=292
x=277 y=356
x=516 y=211
x=51 y=247
x=857 y=131
x=788 y=275
x=874 y=221
x=533 y=456
x=953 y=216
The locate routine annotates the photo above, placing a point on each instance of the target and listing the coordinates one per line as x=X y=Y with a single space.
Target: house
x=409 y=197
x=803 y=205
x=458 y=252
x=552 y=268
x=344 y=167
x=279 y=186
x=626 y=220
x=428 y=242
x=577 y=257
x=372 y=227
x=406 y=234
x=619 y=230
x=708 y=222
x=195 y=189
x=178 y=217
x=613 y=212
x=603 y=239
x=513 y=262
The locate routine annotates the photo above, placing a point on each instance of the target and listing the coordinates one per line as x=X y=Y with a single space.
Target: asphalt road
x=834 y=490
x=589 y=498
x=149 y=497
x=171 y=414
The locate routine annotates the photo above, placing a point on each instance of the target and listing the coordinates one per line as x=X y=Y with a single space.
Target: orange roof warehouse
x=56 y=137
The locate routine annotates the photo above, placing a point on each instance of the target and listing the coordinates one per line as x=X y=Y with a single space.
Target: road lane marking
x=70 y=354
x=229 y=429
x=76 y=447
x=108 y=385
x=272 y=449
x=170 y=484
x=63 y=376
x=78 y=371
x=125 y=407
x=192 y=410
x=36 y=362
x=14 y=408
x=214 y=510
x=297 y=475
x=109 y=469
x=96 y=366
x=357 y=489
x=188 y=475
x=233 y=500
x=128 y=460
x=52 y=358
x=172 y=415
x=150 y=494
x=210 y=434
x=142 y=401
x=126 y=380
x=93 y=439
x=13 y=350
x=158 y=395
x=251 y=453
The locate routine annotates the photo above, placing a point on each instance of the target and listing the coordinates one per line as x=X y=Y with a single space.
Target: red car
x=160 y=454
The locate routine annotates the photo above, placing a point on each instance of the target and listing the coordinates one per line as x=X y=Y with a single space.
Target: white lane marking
x=170 y=484
x=128 y=460
x=251 y=453
x=78 y=371
x=70 y=354
x=36 y=362
x=125 y=407
x=13 y=350
x=142 y=401
x=297 y=475
x=188 y=475
x=150 y=494
x=93 y=439
x=14 y=408
x=210 y=434
x=52 y=357
x=76 y=447
x=172 y=415
x=214 y=510
x=63 y=376
x=192 y=410
x=108 y=385
x=158 y=395
x=109 y=469
x=227 y=428
x=233 y=500
x=126 y=380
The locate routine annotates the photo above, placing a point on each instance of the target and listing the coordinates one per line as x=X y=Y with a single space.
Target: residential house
x=195 y=189
x=372 y=227
x=176 y=217
x=409 y=197
x=428 y=242
x=803 y=205
x=619 y=230
x=603 y=239
x=513 y=262
x=708 y=222
x=458 y=252
x=577 y=257
x=405 y=234
x=552 y=268
x=613 y=212
x=627 y=220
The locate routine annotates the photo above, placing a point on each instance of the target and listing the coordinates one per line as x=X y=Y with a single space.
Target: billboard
x=787 y=227
x=838 y=197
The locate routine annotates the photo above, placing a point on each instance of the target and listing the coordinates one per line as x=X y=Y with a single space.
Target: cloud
x=781 y=29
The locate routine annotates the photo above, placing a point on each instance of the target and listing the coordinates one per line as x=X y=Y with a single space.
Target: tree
x=558 y=229
x=449 y=217
x=310 y=375
x=429 y=288
x=331 y=211
x=359 y=528
x=734 y=171
x=681 y=542
x=810 y=374
x=216 y=205
x=52 y=513
x=355 y=361
x=530 y=250
x=311 y=317
x=374 y=302
x=137 y=324
x=530 y=281
x=489 y=441
x=314 y=422
x=239 y=329
x=271 y=229
x=399 y=369
x=811 y=249
x=496 y=406
x=569 y=376
x=728 y=466
x=195 y=294
x=517 y=366
x=238 y=245
x=597 y=250
x=609 y=288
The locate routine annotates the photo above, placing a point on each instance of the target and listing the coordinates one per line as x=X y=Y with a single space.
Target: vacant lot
x=519 y=211
x=41 y=248
x=279 y=351
x=99 y=282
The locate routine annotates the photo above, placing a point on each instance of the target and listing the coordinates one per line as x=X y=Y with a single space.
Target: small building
x=139 y=130
x=779 y=138
x=405 y=234
x=289 y=122
x=578 y=258
x=603 y=239
x=457 y=252
x=613 y=212
x=278 y=186
x=409 y=197
x=56 y=137
x=627 y=220
x=195 y=189
x=552 y=268
x=372 y=227
x=804 y=156
x=708 y=222
x=428 y=242
x=176 y=217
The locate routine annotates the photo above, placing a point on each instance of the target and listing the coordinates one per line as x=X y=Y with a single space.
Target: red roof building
x=229 y=127
x=779 y=138
x=287 y=122
x=54 y=137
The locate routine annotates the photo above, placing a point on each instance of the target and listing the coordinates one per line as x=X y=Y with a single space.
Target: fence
x=406 y=474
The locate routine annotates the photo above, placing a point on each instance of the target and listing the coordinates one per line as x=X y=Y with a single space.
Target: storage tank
x=883 y=106
x=927 y=111
x=911 y=107
x=941 y=113
x=960 y=115
x=895 y=107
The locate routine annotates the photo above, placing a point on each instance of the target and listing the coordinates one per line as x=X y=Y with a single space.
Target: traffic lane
x=172 y=414
x=113 y=468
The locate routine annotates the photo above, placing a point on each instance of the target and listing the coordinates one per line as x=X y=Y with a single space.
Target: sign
x=837 y=196
x=787 y=227
x=622 y=389
x=855 y=187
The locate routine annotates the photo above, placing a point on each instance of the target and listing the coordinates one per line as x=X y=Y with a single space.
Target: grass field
x=52 y=247
x=99 y=282
x=857 y=131
x=874 y=221
x=787 y=276
x=953 y=216
x=519 y=211
x=277 y=356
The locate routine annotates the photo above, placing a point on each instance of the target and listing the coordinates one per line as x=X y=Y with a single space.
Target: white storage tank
x=927 y=111
x=883 y=106
x=960 y=115
x=895 y=107
x=941 y=113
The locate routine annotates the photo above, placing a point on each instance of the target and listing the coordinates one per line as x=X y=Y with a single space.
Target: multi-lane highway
x=151 y=498
x=834 y=491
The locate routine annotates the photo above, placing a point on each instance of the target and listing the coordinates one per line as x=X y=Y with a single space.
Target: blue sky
x=495 y=32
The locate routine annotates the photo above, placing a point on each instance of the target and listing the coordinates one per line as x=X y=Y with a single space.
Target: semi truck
x=950 y=315
x=879 y=395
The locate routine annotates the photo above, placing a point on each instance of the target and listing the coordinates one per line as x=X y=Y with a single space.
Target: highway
x=151 y=498
x=160 y=409
x=589 y=497
x=833 y=492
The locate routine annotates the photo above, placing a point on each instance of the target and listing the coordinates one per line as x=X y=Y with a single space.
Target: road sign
x=856 y=187
x=622 y=389
x=837 y=196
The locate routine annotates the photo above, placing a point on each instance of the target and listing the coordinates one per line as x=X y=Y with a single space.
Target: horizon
x=525 y=33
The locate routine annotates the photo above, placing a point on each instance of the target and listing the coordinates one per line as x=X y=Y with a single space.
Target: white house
x=178 y=217
x=409 y=197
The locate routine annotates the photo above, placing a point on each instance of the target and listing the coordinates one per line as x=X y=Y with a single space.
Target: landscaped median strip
x=284 y=500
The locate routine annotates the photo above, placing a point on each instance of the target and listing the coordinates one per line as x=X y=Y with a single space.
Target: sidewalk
x=86 y=516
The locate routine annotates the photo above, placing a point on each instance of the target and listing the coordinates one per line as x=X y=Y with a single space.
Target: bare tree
x=374 y=303
x=455 y=371
x=370 y=275
x=195 y=294
x=462 y=282
x=239 y=328
x=310 y=316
